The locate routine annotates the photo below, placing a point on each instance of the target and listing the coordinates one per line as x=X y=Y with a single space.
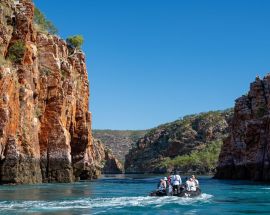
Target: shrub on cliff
x=202 y=161
x=75 y=42
x=43 y=24
x=16 y=51
x=262 y=110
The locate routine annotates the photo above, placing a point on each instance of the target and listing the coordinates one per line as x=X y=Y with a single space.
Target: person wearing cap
x=164 y=182
x=162 y=185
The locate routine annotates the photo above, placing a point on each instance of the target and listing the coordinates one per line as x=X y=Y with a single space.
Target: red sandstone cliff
x=45 y=126
x=246 y=152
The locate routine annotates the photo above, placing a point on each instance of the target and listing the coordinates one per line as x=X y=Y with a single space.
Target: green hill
x=191 y=144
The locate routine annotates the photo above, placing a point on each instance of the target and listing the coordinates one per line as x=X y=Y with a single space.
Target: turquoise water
x=128 y=195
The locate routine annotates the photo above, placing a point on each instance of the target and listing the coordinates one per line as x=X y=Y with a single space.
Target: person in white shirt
x=190 y=184
x=176 y=181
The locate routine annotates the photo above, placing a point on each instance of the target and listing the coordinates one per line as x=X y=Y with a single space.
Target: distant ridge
x=181 y=144
x=118 y=141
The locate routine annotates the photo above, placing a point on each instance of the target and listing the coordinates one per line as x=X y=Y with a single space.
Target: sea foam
x=88 y=203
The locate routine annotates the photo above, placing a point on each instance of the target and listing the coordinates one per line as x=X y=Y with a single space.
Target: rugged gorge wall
x=119 y=141
x=109 y=163
x=45 y=126
x=181 y=137
x=246 y=152
x=112 y=165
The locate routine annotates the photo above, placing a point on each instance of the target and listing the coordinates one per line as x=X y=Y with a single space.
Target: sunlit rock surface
x=45 y=123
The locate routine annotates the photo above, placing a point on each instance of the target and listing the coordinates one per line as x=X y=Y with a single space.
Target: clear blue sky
x=153 y=61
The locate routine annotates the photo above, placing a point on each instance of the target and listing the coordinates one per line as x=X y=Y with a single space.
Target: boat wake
x=90 y=203
x=265 y=188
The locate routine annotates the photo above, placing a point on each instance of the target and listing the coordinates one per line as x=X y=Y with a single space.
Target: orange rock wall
x=45 y=125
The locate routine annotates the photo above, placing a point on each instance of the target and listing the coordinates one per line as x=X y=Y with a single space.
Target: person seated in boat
x=176 y=182
x=190 y=185
x=168 y=186
x=169 y=179
x=162 y=185
x=196 y=181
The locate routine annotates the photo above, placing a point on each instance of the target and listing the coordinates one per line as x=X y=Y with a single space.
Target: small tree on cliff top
x=43 y=23
x=75 y=42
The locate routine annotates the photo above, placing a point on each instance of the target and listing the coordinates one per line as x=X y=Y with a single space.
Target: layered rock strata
x=246 y=152
x=45 y=125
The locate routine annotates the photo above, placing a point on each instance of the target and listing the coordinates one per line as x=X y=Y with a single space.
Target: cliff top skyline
x=150 y=62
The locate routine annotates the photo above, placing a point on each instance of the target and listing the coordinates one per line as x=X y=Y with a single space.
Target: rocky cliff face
x=246 y=152
x=109 y=163
x=119 y=141
x=177 y=138
x=45 y=126
x=112 y=164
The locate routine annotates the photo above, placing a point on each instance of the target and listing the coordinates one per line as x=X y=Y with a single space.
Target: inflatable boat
x=183 y=193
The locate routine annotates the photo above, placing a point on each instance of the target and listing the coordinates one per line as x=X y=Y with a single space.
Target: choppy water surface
x=128 y=195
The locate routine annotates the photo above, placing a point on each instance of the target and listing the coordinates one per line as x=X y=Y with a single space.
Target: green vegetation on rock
x=199 y=161
x=191 y=143
x=43 y=24
x=75 y=42
x=16 y=51
x=262 y=110
x=45 y=71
